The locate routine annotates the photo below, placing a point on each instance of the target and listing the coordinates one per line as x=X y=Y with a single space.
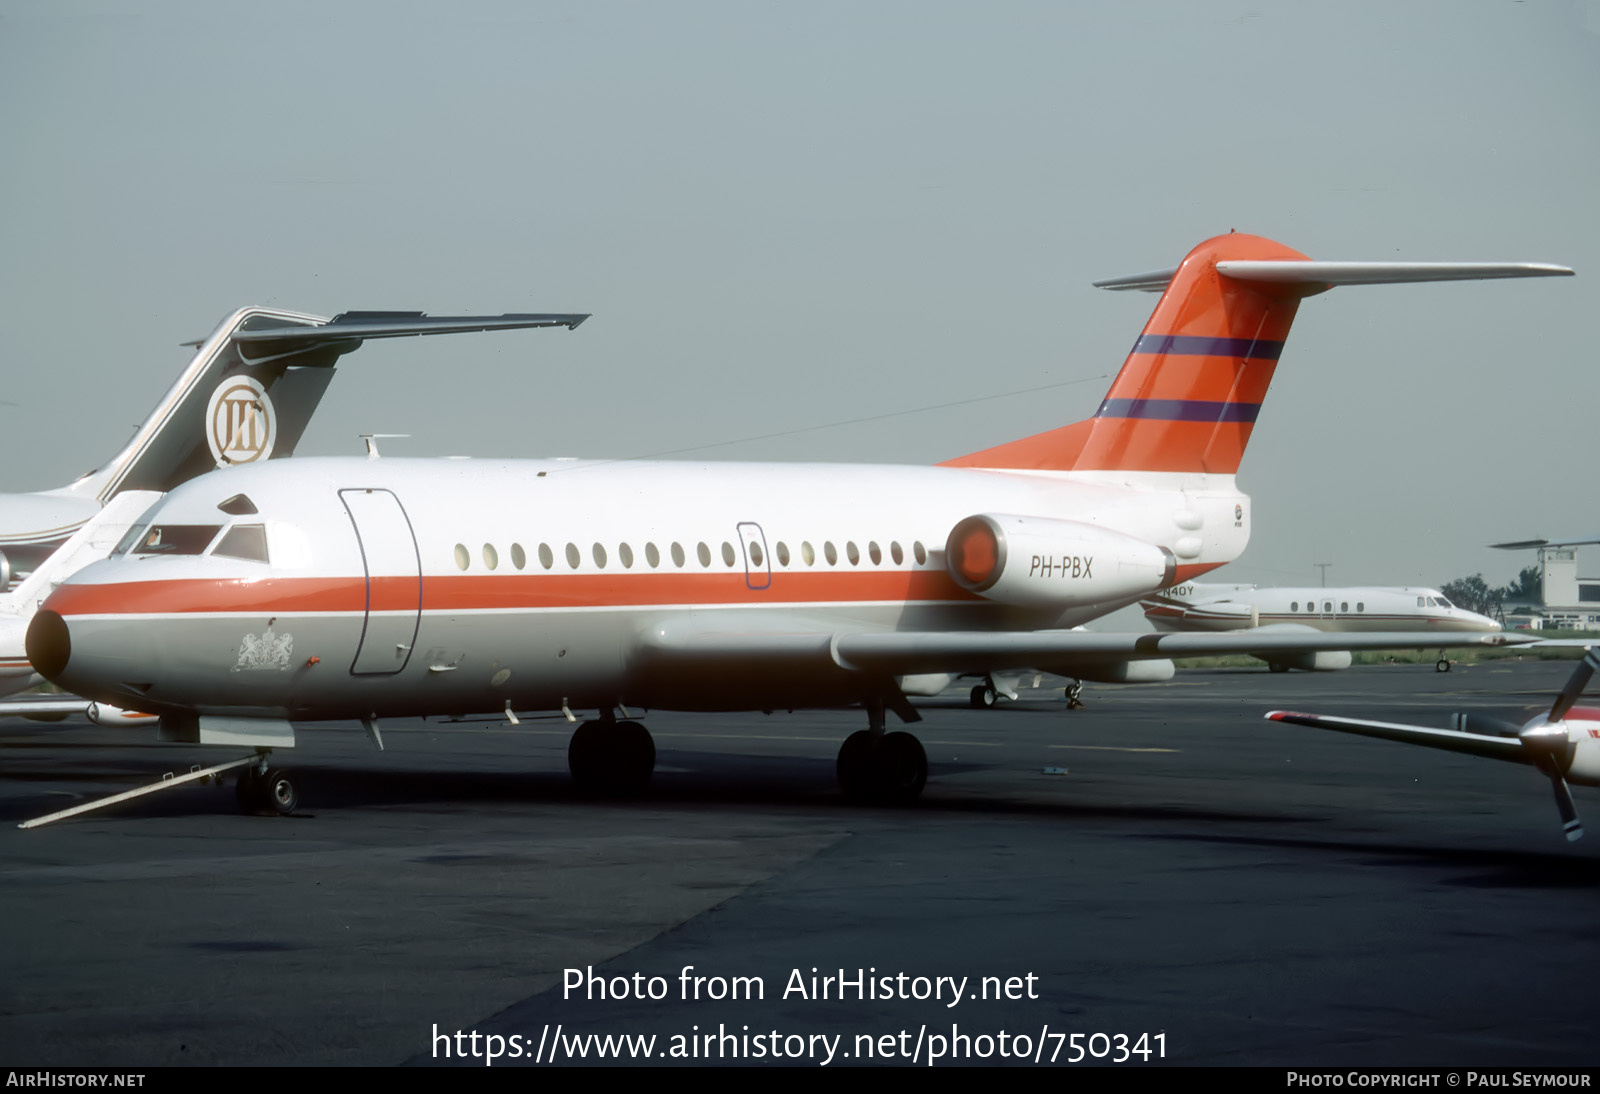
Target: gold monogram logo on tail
x=240 y=423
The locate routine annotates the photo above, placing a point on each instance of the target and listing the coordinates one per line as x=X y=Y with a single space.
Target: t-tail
x=252 y=387
x=1192 y=387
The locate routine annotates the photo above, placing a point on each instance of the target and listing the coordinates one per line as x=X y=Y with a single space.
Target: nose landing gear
x=261 y=789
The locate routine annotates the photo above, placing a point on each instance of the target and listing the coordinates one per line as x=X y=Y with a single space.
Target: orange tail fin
x=1188 y=395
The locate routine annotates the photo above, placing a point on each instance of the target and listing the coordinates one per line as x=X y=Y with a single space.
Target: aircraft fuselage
x=441 y=587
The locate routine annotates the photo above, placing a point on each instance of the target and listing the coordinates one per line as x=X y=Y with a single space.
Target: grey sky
x=784 y=216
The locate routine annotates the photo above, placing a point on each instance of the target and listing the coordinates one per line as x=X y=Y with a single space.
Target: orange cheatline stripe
x=292 y=594
x=461 y=592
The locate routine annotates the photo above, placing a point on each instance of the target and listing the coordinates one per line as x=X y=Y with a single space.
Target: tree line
x=1476 y=595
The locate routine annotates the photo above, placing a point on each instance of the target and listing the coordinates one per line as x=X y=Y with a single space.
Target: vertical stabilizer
x=225 y=408
x=1188 y=395
x=1189 y=392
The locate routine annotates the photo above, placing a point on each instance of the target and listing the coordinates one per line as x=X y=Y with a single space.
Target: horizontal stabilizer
x=1154 y=281
x=1328 y=274
x=1380 y=273
x=361 y=325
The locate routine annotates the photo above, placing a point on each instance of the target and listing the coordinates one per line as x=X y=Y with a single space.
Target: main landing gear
x=882 y=768
x=611 y=757
x=1443 y=664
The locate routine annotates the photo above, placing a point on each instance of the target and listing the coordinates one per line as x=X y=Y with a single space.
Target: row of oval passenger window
x=680 y=559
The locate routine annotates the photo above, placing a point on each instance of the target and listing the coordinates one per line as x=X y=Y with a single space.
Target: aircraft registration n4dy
x=255 y=597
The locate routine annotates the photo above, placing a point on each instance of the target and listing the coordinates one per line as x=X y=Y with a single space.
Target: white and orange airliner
x=306 y=589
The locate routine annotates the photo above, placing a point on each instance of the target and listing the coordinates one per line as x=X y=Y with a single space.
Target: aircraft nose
x=48 y=643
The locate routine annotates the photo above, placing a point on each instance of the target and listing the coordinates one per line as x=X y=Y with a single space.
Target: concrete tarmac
x=1163 y=868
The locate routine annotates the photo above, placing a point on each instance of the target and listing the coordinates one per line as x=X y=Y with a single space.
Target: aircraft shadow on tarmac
x=685 y=779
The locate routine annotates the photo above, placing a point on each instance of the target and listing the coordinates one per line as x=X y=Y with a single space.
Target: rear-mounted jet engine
x=1040 y=562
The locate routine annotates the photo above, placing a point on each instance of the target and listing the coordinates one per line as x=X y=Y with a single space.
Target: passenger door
x=394 y=581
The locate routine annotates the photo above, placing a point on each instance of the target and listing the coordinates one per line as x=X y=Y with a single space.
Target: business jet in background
x=1562 y=743
x=246 y=396
x=334 y=588
x=1233 y=608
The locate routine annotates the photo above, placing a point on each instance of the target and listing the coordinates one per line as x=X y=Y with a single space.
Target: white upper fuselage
x=1357 y=608
x=548 y=568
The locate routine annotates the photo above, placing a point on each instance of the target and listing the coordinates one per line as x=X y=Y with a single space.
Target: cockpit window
x=239 y=506
x=177 y=539
x=1443 y=603
x=246 y=541
x=129 y=538
x=135 y=531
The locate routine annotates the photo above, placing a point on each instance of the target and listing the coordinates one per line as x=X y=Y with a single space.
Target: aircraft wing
x=774 y=641
x=1451 y=740
x=64 y=706
x=935 y=651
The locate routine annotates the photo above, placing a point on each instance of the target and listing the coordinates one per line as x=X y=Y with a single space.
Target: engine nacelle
x=1037 y=562
x=103 y=714
x=5 y=572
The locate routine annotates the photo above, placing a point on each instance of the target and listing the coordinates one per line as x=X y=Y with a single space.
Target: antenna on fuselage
x=372 y=442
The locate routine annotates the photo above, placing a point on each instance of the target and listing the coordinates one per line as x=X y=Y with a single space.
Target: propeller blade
x=1487 y=725
x=1575 y=685
x=1569 y=812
